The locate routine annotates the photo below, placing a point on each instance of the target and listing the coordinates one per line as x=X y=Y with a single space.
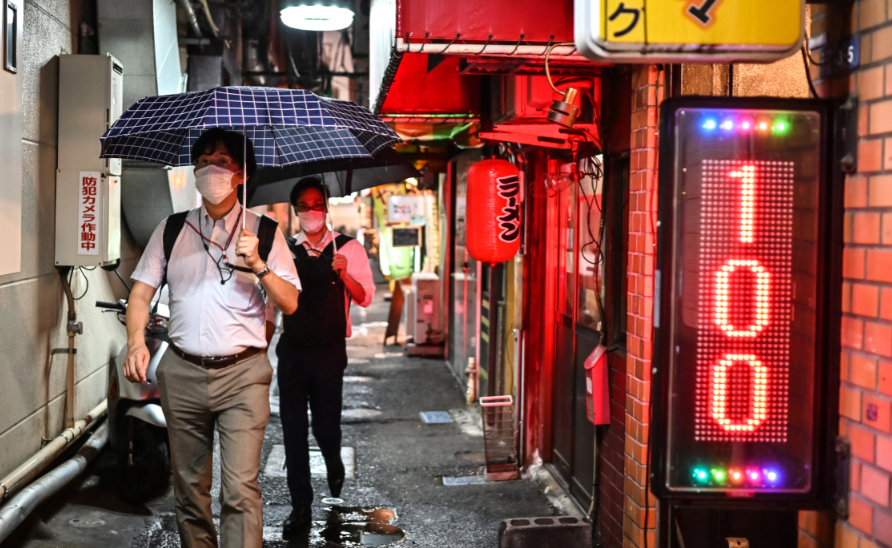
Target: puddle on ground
x=350 y=526
x=360 y=526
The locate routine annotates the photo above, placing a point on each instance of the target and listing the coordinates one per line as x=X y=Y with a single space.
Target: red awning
x=421 y=50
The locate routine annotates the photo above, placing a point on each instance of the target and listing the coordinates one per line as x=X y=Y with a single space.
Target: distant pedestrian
x=312 y=351
x=216 y=371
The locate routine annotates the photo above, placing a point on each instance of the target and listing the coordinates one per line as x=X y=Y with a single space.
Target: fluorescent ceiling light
x=317 y=17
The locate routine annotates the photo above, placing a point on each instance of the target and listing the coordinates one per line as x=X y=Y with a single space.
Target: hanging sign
x=88 y=207
x=405 y=209
x=649 y=31
x=746 y=320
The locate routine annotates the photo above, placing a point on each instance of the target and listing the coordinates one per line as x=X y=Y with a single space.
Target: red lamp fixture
x=748 y=286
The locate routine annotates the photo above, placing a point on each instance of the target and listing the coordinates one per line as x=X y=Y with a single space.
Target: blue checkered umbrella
x=287 y=126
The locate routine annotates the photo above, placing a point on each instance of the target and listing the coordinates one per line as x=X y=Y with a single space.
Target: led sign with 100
x=740 y=338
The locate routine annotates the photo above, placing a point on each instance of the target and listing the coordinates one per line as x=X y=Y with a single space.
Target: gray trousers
x=236 y=399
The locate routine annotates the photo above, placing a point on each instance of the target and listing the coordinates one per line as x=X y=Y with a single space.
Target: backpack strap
x=266 y=233
x=172 y=230
x=296 y=248
x=342 y=240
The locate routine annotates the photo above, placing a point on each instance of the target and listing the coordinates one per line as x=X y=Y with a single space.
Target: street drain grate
x=359 y=414
x=436 y=417
x=452 y=481
x=276 y=466
x=354 y=378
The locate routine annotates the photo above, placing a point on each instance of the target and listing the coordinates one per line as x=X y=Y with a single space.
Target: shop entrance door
x=464 y=278
x=562 y=234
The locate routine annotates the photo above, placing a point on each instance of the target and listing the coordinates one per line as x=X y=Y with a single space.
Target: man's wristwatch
x=263 y=272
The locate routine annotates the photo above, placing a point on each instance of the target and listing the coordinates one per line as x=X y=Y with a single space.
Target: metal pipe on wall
x=207 y=14
x=40 y=460
x=73 y=327
x=14 y=513
x=190 y=14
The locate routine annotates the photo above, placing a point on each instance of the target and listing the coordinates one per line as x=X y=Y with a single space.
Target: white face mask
x=311 y=221
x=214 y=183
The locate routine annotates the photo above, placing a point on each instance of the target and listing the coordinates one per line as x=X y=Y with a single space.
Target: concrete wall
x=32 y=383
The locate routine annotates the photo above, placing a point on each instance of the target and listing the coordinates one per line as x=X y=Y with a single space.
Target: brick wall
x=647 y=82
x=866 y=391
x=611 y=510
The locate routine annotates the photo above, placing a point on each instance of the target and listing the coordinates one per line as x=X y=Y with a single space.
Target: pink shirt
x=357 y=266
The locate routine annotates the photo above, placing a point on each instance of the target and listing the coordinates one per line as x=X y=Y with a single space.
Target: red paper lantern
x=495 y=195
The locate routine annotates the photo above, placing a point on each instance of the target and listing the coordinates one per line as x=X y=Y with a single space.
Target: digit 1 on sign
x=758 y=386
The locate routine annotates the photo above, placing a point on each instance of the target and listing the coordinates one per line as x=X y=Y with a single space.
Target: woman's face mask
x=214 y=183
x=311 y=221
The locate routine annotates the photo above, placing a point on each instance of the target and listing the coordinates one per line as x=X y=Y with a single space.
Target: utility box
x=88 y=188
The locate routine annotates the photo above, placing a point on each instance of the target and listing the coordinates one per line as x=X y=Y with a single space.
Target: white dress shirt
x=207 y=317
x=357 y=266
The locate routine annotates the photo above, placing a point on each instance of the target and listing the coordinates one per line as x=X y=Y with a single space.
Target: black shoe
x=299 y=520
x=336 y=475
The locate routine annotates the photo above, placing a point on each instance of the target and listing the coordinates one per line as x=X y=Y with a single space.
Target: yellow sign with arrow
x=689 y=30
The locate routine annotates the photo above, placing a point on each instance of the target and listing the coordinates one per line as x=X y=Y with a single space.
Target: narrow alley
x=563 y=274
x=400 y=463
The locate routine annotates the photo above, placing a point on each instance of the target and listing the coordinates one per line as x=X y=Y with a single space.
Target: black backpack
x=266 y=233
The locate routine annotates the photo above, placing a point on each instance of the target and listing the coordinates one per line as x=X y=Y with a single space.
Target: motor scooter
x=137 y=428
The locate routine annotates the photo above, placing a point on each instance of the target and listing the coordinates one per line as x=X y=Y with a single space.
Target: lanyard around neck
x=206 y=240
x=320 y=247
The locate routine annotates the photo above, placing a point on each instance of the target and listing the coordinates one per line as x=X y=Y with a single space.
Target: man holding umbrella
x=312 y=351
x=216 y=371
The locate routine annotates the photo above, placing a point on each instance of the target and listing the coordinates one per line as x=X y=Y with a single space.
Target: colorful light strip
x=746 y=477
x=728 y=124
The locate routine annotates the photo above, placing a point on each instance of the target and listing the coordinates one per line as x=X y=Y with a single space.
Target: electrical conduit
x=15 y=512
x=40 y=460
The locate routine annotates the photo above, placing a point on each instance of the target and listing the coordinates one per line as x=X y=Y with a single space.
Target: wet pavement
x=397 y=495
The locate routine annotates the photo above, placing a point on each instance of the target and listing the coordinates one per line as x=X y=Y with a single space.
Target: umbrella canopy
x=286 y=126
x=273 y=185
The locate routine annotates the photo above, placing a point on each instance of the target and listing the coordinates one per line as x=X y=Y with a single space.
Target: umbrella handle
x=334 y=243
x=244 y=178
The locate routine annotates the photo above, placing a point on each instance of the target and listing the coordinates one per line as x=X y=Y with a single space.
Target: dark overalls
x=312 y=354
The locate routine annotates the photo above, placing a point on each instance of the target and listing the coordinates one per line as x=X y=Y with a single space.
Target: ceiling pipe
x=190 y=14
x=207 y=14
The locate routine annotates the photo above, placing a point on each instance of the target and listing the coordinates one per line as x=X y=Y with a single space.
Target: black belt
x=217 y=362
